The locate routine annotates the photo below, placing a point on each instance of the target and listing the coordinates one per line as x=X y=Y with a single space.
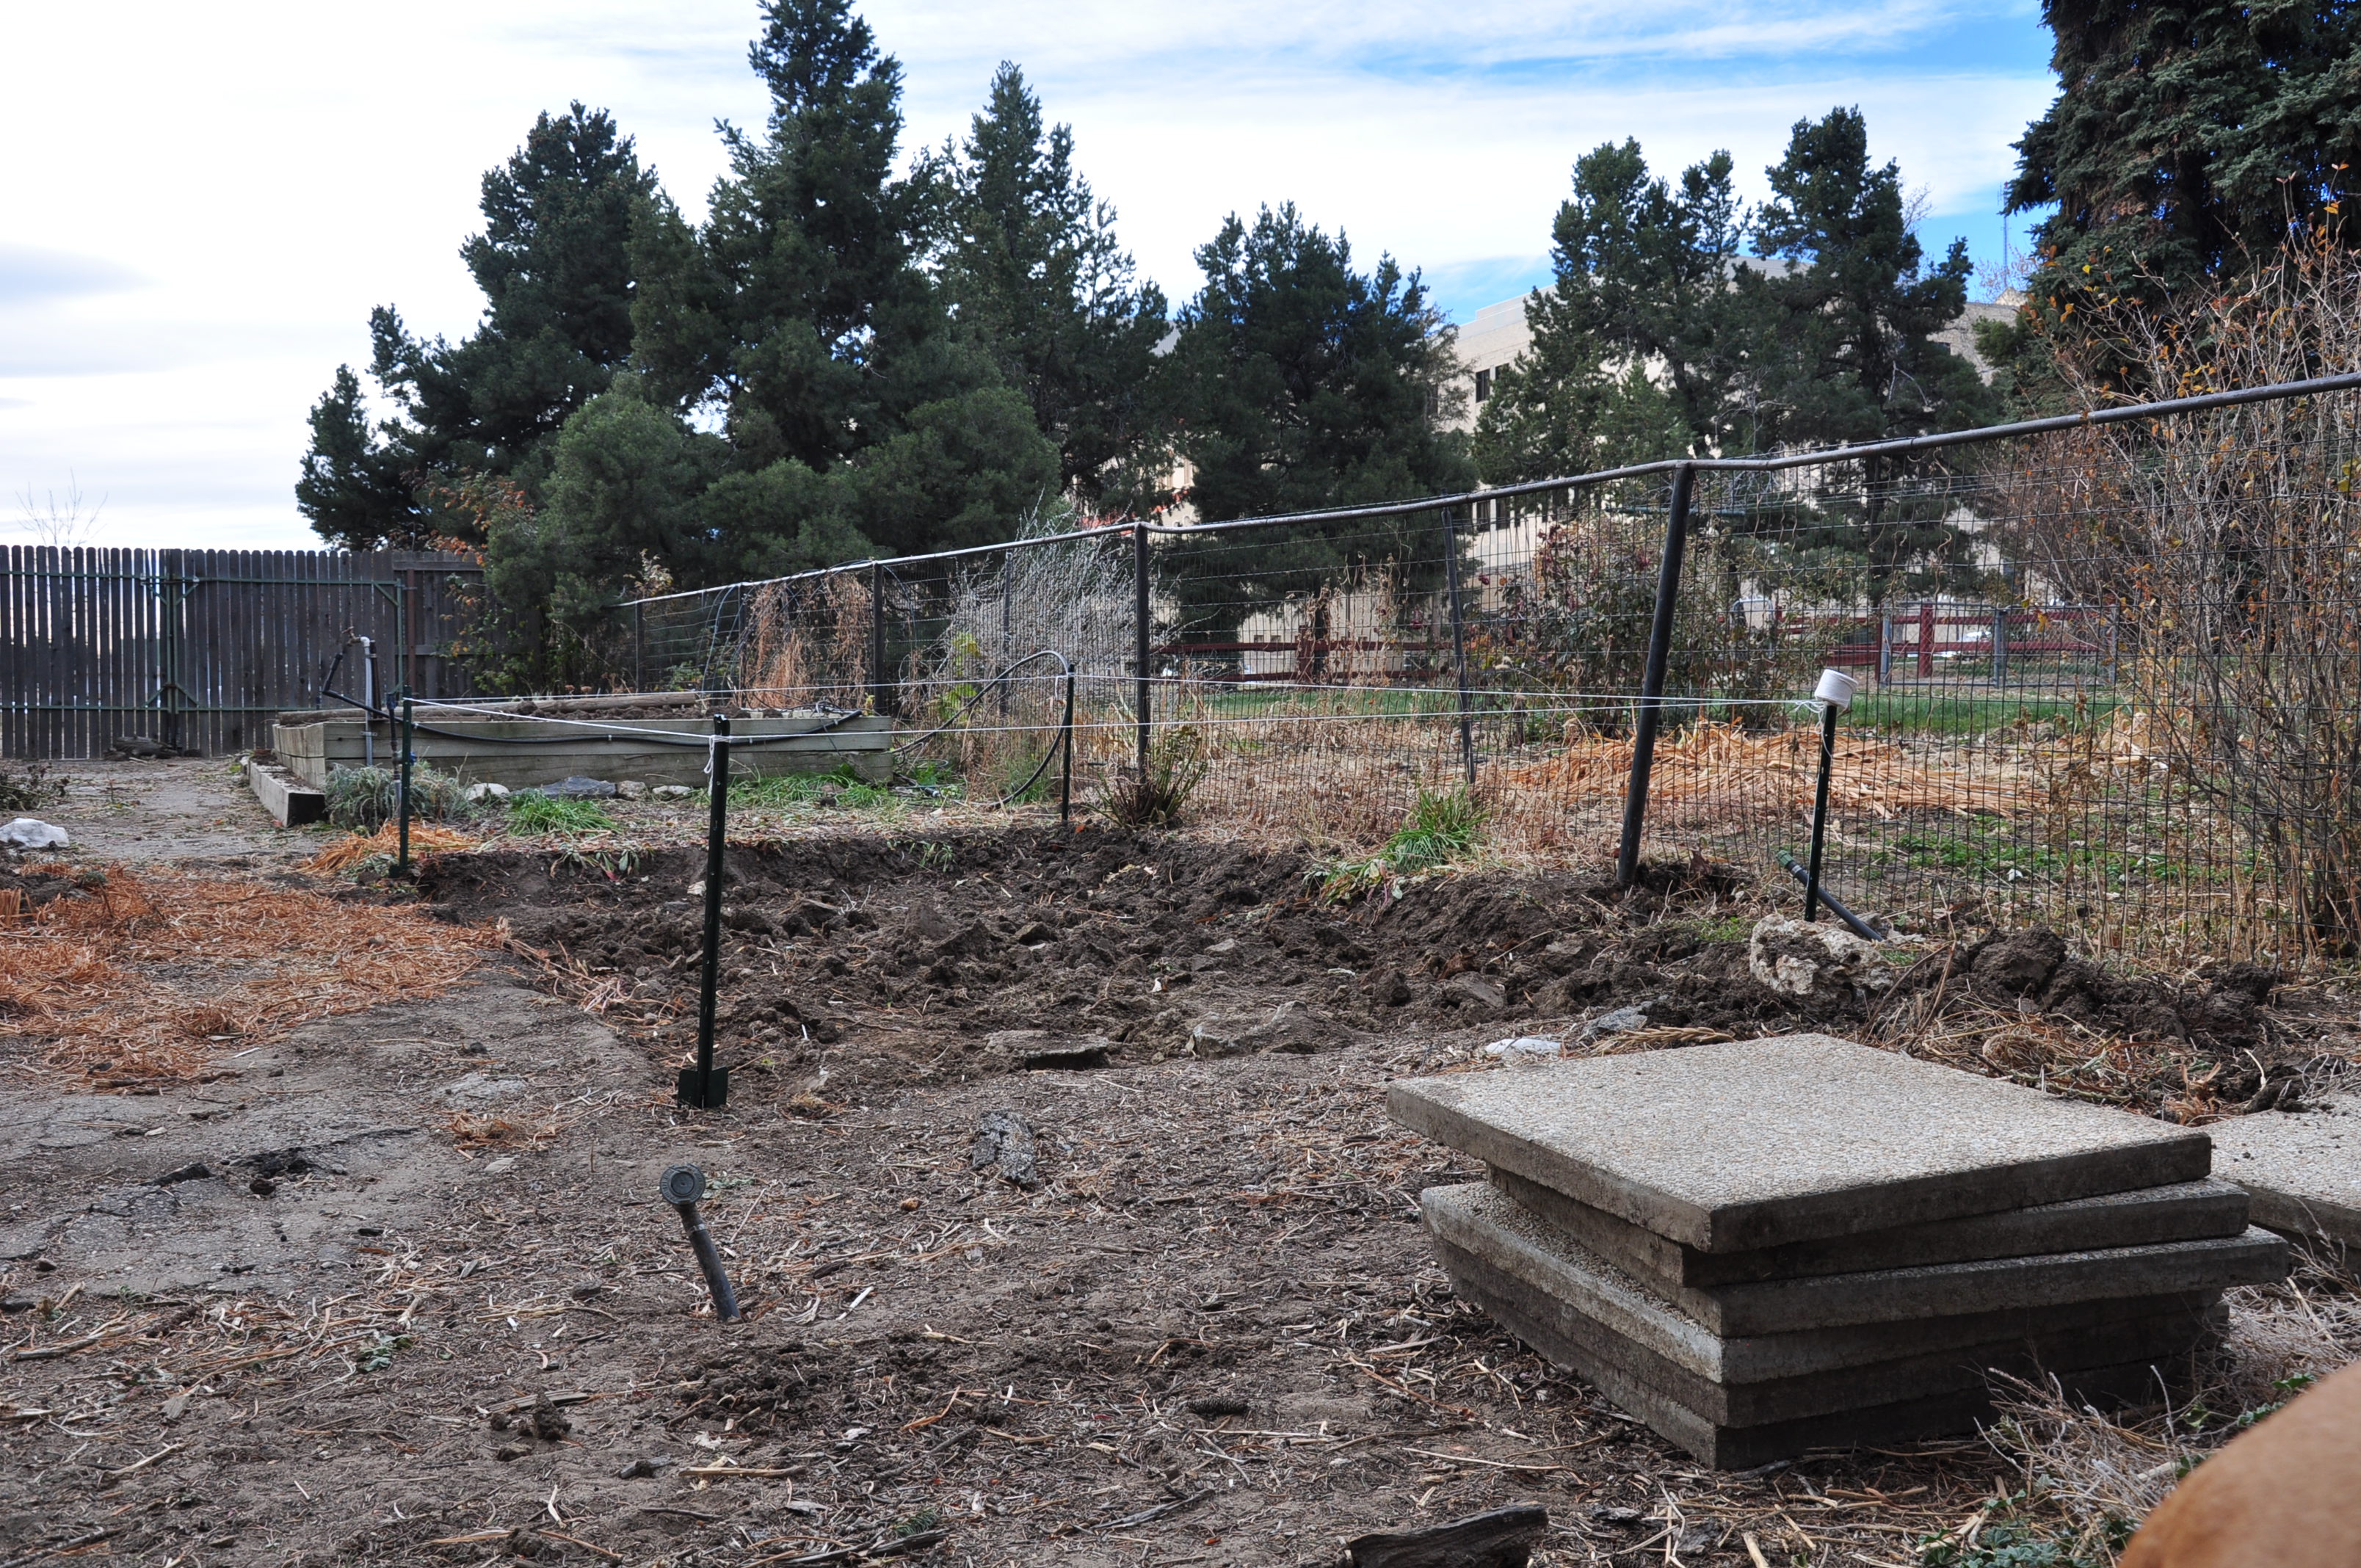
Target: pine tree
x=2184 y=141
x=1299 y=383
x=1030 y=262
x=1630 y=360
x=554 y=265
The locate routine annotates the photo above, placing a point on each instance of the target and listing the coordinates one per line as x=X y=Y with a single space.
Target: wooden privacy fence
x=198 y=648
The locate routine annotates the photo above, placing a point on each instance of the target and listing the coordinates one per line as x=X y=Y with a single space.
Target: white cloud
x=203 y=203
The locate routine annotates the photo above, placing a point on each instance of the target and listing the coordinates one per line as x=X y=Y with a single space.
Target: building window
x=1483 y=385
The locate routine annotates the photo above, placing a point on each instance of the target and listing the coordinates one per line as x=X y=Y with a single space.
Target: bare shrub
x=2230 y=540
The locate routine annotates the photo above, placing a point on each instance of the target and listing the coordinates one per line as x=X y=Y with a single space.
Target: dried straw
x=152 y=976
x=425 y=839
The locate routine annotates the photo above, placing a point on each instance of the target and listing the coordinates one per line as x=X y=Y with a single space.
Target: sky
x=205 y=201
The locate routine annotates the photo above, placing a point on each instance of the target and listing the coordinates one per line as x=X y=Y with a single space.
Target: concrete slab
x=2185 y=1210
x=2154 y=1336
x=2301 y=1168
x=1978 y=1285
x=1726 y=1447
x=1476 y=1219
x=1760 y=1143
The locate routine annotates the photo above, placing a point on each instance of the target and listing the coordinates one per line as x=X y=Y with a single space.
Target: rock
x=1476 y=990
x=31 y=833
x=1384 y=986
x=1528 y=1047
x=641 y=1467
x=631 y=789
x=476 y=793
x=1623 y=1021
x=192 y=1172
x=141 y=746
x=1033 y=934
x=1500 y=1538
x=547 y=1424
x=1799 y=959
x=1292 y=1028
x=670 y=792
x=580 y=788
x=1004 y=1144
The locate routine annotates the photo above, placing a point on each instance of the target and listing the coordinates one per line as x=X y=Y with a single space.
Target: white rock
x=479 y=793
x=1524 y=1045
x=670 y=792
x=31 y=833
x=1797 y=960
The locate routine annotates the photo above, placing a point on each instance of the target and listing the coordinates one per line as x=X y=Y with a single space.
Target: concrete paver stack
x=1769 y=1245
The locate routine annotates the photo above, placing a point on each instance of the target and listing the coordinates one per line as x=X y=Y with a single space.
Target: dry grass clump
x=1724 y=771
x=342 y=856
x=2099 y=1473
x=142 y=978
x=469 y=1130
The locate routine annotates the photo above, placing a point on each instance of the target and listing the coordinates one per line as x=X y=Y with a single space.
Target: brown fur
x=2286 y=1494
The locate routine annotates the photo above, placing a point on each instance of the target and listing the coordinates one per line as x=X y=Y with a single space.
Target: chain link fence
x=2110 y=669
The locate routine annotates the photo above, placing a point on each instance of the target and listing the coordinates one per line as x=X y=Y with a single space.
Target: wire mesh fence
x=2110 y=670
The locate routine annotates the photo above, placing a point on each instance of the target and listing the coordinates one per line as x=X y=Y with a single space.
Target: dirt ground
x=397 y=1286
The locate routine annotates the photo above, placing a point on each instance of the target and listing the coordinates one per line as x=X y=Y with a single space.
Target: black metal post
x=1652 y=682
x=705 y=1086
x=876 y=637
x=1005 y=596
x=639 y=648
x=409 y=745
x=1459 y=642
x=1820 y=811
x=1141 y=637
x=1066 y=784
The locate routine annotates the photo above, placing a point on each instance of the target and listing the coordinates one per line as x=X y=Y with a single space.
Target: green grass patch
x=1964 y=710
x=531 y=813
x=1444 y=824
x=838 y=786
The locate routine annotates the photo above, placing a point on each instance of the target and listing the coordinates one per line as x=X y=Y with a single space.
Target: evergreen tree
x=1030 y=262
x=1299 y=383
x=1632 y=357
x=1839 y=345
x=2184 y=141
x=353 y=486
x=553 y=266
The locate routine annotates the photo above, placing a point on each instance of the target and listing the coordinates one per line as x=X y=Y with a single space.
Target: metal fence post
x=2000 y=645
x=1652 y=682
x=1884 y=647
x=639 y=648
x=409 y=745
x=1459 y=642
x=876 y=637
x=1141 y=630
x=705 y=1087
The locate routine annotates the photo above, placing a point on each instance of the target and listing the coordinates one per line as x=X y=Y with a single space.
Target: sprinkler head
x=683 y=1184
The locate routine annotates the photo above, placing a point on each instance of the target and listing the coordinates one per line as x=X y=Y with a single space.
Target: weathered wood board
x=523 y=752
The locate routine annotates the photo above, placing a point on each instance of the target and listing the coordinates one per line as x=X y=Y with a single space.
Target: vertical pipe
x=1141 y=629
x=1651 y=683
x=876 y=637
x=639 y=647
x=408 y=734
x=2000 y=645
x=1820 y=811
x=1066 y=783
x=1458 y=643
x=1884 y=647
x=701 y=1086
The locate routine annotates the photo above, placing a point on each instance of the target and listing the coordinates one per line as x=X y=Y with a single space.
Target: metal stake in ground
x=1651 y=680
x=1834 y=693
x=409 y=745
x=684 y=1186
x=705 y=1086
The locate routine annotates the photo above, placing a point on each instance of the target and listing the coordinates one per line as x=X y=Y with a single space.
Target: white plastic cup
x=1835 y=690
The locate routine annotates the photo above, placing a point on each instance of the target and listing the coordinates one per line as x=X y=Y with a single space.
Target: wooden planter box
x=521 y=752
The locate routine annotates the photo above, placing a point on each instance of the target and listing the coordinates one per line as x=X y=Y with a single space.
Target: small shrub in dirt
x=365 y=799
x=28 y=788
x=530 y=812
x=1178 y=758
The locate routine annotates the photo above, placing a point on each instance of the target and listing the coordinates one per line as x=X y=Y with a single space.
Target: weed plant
x=534 y=812
x=30 y=789
x=365 y=799
x=1444 y=826
x=1178 y=756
